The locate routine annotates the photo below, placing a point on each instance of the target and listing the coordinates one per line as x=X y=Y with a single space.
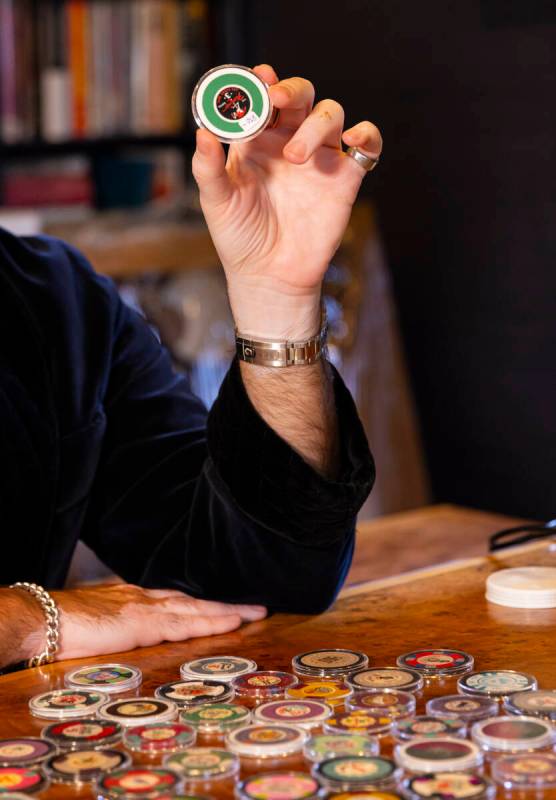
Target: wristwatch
x=284 y=353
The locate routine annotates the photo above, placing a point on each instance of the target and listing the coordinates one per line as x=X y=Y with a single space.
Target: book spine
x=10 y=127
x=172 y=79
x=54 y=77
x=139 y=66
x=77 y=30
x=121 y=63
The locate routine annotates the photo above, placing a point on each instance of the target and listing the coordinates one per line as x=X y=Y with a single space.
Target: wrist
x=26 y=626
x=262 y=310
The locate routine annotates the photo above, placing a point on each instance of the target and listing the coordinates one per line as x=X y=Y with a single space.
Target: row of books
x=59 y=187
x=72 y=69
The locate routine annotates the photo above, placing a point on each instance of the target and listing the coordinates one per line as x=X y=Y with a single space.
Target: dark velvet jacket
x=101 y=440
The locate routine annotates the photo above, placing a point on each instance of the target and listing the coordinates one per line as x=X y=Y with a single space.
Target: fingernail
x=297 y=150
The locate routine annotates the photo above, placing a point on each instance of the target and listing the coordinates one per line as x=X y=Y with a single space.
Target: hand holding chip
x=278 y=206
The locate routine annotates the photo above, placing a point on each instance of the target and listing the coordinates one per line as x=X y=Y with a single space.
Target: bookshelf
x=68 y=90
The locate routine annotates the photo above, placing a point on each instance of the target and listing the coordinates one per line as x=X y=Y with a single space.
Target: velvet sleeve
x=217 y=505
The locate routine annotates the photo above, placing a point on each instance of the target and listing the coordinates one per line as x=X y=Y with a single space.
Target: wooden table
x=420 y=538
x=442 y=606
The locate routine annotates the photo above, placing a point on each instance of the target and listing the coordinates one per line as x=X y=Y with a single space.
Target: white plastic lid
x=523 y=587
x=511 y=734
x=440 y=754
x=266 y=741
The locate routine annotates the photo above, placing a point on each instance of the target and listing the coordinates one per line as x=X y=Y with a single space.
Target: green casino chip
x=216 y=717
x=232 y=102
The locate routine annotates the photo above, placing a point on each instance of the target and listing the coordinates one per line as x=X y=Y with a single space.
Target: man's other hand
x=118 y=617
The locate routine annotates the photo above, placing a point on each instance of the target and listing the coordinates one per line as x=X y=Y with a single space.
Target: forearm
x=22 y=627
x=298 y=404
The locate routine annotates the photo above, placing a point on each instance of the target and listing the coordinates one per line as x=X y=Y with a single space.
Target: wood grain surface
x=415 y=539
x=437 y=607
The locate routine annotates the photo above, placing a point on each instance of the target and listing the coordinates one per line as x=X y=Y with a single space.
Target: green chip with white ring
x=232 y=102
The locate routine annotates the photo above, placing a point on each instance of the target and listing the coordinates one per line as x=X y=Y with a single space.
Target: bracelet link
x=50 y=610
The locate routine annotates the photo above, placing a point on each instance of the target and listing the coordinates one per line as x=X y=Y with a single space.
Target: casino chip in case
x=496 y=682
x=138 y=710
x=437 y=662
x=512 y=734
x=217 y=668
x=195 y=692
x=536 y=703
x=24 y=751
x=204 y=764
x=527 y=772
x=107 y=678
x=440 y=754
x=386 y=678
x=303 y=713
x=331 y=664
x=325 y=746
x=393 y=702
x=141 y=783
x=346 y=773
x=66 y=703
x=469 y=708
x=263 y=685
x=159 y=737
x=27 y=780
x=448 y=786
x=83 y=734
x=232 y=102
x=216 y=717
x=266 y=741
x=426 y=727
x=372 y=723
x=84 y=766
x=330 y=692
x=279 y=786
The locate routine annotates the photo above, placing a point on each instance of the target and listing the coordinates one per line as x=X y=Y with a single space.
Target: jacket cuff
x=272 y=484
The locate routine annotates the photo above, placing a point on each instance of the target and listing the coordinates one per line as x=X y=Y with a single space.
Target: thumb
x=209 y=168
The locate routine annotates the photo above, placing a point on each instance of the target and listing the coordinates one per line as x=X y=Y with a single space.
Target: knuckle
x=176 y=624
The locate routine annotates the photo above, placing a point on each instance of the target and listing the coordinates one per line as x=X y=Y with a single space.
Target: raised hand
x=278 y=206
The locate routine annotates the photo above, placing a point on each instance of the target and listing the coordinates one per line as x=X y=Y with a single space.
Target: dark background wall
x=465 y=95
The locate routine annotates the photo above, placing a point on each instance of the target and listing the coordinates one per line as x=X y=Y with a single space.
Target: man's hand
x=113 y=618
x=278 y=207
x=118 y=617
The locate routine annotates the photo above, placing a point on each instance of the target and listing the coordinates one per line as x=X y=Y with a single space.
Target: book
x=9 y=124
x=78 y=56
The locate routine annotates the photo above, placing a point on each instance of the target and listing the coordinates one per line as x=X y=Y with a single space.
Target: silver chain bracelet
x=50 y=610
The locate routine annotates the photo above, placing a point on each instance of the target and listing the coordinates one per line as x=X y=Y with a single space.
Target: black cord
x=510 y=537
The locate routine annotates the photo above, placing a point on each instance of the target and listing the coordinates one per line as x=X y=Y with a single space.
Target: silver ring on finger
x=367 y=162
